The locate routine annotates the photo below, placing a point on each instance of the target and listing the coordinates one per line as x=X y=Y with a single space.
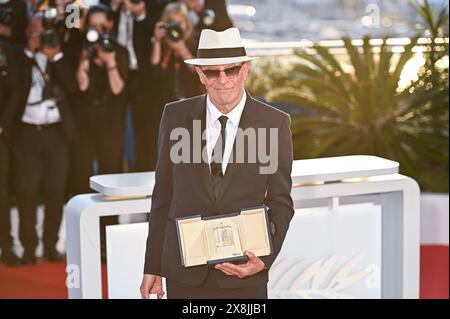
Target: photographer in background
x=43 y=130
x=8 y=102
x=209 y=14
x=134 y=23
x=13 y=21
x=173 y=42
x=100 y=114
x=65 y=16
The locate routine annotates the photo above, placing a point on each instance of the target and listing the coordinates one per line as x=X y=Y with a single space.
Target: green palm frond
x=365 y=112
x=360 y=108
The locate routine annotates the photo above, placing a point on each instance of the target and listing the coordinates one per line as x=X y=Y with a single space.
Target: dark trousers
x=145 y=121
x=210 y=289
x=101 y=136
x=5 y=217
x=42 y=158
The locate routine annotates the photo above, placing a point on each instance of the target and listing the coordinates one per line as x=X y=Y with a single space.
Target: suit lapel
x=28 y=70
x=248 y=117
x=202 y=168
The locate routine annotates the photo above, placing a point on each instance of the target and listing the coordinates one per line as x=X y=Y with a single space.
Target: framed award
x=223 y=238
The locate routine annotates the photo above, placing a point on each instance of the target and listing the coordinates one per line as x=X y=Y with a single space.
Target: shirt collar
x=42 y=56
x=234 y=116
x=28 y=53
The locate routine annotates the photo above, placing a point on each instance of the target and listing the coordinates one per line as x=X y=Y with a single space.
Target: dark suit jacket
x=185 y=189
x=62 y=78
x=20 y=21
x=8 y=91
x=143 y=31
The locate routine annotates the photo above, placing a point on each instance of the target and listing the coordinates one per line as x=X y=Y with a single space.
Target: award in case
x=223 y=238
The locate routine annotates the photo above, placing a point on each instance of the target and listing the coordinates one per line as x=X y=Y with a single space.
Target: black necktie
x=217 y=156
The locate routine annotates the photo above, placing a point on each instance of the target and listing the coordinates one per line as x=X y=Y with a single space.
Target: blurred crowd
x=68 y=76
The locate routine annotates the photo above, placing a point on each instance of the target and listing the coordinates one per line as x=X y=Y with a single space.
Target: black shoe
x=29 y=257
x=53 y=256
x=10 y=259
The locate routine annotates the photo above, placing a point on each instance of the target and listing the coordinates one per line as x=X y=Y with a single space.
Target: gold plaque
x=224 y=237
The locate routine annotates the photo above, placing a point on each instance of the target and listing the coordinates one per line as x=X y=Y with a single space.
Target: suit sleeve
x=278 y=197
x=161 y=198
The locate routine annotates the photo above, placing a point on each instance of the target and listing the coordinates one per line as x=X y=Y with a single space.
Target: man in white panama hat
x=218 y=184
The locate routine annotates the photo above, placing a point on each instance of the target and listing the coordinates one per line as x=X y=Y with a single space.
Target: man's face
x=224 y=83
x=33 y=31
x=100 y=23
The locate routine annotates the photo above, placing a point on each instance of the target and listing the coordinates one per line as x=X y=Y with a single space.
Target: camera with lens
x=50 y=17
x=53 y=28
x=174 y=31
x=7 y=16
x=105 y=40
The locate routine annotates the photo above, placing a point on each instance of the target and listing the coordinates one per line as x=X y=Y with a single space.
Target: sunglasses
x=231 y=72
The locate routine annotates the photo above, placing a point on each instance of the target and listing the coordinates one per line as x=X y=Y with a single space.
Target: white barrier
x=330 y=178
x=326 y=254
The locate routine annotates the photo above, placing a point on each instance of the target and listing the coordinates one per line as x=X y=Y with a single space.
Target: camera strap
x=45 y=76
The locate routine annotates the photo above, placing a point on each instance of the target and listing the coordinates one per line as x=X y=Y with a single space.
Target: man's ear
x=200 y=74
x=246 y=70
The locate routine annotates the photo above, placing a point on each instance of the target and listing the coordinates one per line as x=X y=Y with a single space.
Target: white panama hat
x=216 y=48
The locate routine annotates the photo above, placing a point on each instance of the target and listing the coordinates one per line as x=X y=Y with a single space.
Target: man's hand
x=108 y=58
x=115 y=4
x=253 y=266
x=151 y=284
x=1 y=131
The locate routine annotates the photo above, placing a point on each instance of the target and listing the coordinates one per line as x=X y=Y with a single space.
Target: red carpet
x=46 y=280
x=434 y=272
x=41 y=281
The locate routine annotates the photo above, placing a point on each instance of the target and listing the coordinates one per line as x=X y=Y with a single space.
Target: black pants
x=5 y=217
x=211 y=290
x=42 y=159
x=145 y=121
x=101 y=137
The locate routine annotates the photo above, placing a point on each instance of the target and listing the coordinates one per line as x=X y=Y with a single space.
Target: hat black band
x=221 y=53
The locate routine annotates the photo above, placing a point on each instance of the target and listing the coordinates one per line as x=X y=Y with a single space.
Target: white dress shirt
x=39 y=111
x=125 y=34
x=213 y=128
